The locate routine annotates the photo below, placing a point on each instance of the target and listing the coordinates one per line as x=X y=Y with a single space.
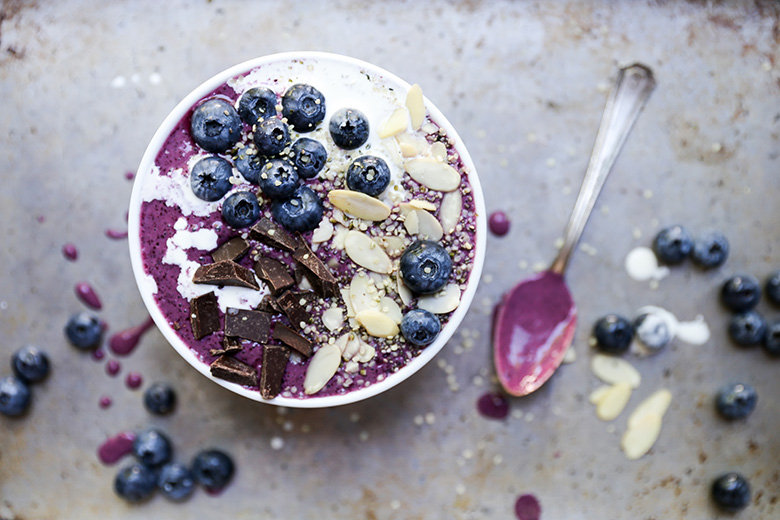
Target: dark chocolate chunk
x=230 y=346
x=274 y=273
x=292 y=339
x=322 y=279
x=270 y=234
x=268 y=304
x=233 y=249
x=290 y=304
x=204 y=315
x=251 y=325
x=234 y=370
x=226 y=272
x=272 y=370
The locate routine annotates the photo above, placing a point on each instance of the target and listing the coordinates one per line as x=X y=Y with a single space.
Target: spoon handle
x=629 y=95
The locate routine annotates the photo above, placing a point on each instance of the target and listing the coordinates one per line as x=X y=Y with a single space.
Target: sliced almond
x=422 y=204
x=416 y=105
x=351 y=367
x=365 y=252
x=403 y=291
x=359 y=204
x=427 y=226
x=411 y=145
x=389 y=307
x=323 y=232
x=322 y=366
x=613 y=402
x=446 y=300
x=412 y=222
x=614 y=370
x=380 y=282
x=393 y=245
x=599 y=394
x=638 y=440
x=345 y=297
x=657 y=403
x=570 y=356
x=377 y=323
x=395 y=124
x=339 y=236
x=434 y=174
x=365 y=352
x=333 y=318
x=362 y=294
x=439 y=151
x=449 y=213
x=342 y=341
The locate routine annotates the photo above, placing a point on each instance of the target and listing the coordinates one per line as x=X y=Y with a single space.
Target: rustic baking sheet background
x=83 y=87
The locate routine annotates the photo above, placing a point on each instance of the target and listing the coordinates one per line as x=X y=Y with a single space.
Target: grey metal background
x=524 y=83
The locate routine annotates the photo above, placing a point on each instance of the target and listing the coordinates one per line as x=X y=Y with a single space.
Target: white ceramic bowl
x=158 y=140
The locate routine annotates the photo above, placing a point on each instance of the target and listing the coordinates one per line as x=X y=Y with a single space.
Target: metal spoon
x=535 y=321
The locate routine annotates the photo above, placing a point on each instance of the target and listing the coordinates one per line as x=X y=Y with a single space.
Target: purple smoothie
x=158 y=217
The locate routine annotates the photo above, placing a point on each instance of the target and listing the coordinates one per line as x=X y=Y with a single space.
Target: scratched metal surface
x=83 y=87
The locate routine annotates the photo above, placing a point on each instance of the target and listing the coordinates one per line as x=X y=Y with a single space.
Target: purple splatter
x=527 y=508
x=86 y=293
x=105 y=402
x=116 y=447
x=498 y=223
x=493 y=405
x=70 y=252
x=124 y=342
x=134 y=380
x=113 y=367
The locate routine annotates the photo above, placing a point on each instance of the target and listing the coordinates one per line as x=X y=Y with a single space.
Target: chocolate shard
x=274 y=273
x=251 y=325
x=233 y=249
x=292 y=339
x=230 y=346
x=204 y=315
x=322 y=279
x=269 y=233
x=234 y=370
x=226 y=272
x=272 y=370
x=269 y=304
x=292 y=308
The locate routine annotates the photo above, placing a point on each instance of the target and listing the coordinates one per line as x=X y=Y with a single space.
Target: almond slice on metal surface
x=638 y=440
x=614 y=370
x=599 y=394
x=395 y=124
x=359 y=205
x=416 y=105
x=322 y=366
x=657 y=403
x=446 y=300
x=428 y=227
x=613 y=402
x=434 y=174
x=377 y=323
x=449 y=213
x=365 y=252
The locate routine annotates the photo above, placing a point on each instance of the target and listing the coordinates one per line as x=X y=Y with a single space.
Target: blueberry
x=240 y=209
x=773 y=288
x=741 y=292
x=15 y=396
x=710 y=250
x=368 y=174
x=613 y=334
x=84 y=331
x=271 y=136
x=731 y=492
x=420 y=327
x=304 y=107
x=176 y=482
x=771 y=342
x=152 y=448
x=747 y=328
x=425 y=267
x=672 y=245
x=213 y=469
x=250 y=163
x=736 y=400
x=256 y=104
x=30 y=364
x=210 y=178
x=135 y=483
x=301 y=212
x=160 y=399
x=308 y=156
x=278 y=179
x=215 y=125
x=652 y=331
x=349 y=128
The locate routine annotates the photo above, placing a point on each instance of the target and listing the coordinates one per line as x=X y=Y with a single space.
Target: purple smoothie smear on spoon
x=534 y=323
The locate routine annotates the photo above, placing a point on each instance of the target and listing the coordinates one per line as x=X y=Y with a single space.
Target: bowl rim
x=136 y=200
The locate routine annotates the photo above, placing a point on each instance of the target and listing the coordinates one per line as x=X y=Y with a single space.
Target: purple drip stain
x=116 y=447
x=134 y=380
x=70 y=252
x=129 y=175
x=86 y=293
x=498 y=223
x=41 y=219
x=98 y=354
x=105 y=402
x=124 y=342
x=113 y=367
x=493 y=405
x=527 y=508
x=115 y=234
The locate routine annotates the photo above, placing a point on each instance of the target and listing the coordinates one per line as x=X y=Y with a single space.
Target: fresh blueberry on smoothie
x=420 y=327
x=255 y=104
x=240 y=209
x=308 y=156
x=271 y=136
x=304 y=107
x=425 y=267
x=278 y=179
x=301 y=212
x=349 y=128
x=210 y=178
x=215 y=125
x=250 y=163
x=368 y=174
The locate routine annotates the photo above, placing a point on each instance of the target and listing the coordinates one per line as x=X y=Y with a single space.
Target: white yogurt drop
x=695 y=332
x=641 y=264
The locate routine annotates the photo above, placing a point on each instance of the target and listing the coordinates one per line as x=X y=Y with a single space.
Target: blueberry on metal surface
x=176 y=482
x=215 y=125
x=652 y=331
x=773 y=288
x=710 y=250
x=613 y=334
x=135 y=483
x=672 y=245
x=741 y=292
x=731 y=492
x=747 y=328
x=425 y=267
x=160 y=398
x=771 y=341
x=30 y=364
x=736 y=400
x=210 y=178
x=15 y=396
x=213 y=469
x=152 y=448
x=84 y=331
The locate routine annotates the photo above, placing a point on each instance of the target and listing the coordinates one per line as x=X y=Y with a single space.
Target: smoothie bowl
x=307 y=229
